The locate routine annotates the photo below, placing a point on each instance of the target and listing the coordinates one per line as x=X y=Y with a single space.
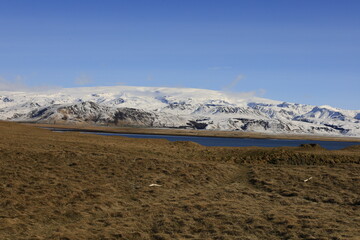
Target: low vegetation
x=70 y=186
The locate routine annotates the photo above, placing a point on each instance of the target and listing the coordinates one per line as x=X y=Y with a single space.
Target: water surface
x=236 y=142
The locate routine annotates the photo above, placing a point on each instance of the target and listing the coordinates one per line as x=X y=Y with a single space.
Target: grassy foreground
x=70 y=186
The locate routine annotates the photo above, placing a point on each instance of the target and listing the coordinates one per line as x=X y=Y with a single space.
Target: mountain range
x=176 y=108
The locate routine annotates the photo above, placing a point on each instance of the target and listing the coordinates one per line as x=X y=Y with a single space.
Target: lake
x=235 y=142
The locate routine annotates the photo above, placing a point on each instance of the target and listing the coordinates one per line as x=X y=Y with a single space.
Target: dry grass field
x=69 y=186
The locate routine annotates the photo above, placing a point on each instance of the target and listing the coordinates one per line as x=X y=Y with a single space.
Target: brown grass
x=79 y=186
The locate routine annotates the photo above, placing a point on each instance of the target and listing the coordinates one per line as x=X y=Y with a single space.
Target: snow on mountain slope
x=176 y=107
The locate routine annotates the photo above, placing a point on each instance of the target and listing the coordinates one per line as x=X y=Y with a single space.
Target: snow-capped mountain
x=176 y=108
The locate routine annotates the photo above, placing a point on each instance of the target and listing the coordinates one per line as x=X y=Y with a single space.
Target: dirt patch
x=79 y=186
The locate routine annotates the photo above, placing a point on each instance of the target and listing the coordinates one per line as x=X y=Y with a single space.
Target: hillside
x=176 y=108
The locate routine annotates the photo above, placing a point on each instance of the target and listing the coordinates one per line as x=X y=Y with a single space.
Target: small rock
x=154 y=185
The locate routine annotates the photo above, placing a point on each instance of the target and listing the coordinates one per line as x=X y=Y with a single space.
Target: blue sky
x=298 y=51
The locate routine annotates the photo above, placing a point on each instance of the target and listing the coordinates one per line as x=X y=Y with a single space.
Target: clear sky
x=304 y=51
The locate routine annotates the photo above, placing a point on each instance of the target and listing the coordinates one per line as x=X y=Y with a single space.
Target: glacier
x=175 y=108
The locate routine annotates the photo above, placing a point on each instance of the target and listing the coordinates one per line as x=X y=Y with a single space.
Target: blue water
x=236 y=142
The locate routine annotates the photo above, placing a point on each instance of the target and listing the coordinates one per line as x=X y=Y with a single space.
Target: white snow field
x=178 y=108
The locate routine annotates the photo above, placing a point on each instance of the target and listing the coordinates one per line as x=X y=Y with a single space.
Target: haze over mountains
x=176 y=108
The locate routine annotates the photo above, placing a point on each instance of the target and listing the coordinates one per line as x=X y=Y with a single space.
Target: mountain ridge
x=176 y=108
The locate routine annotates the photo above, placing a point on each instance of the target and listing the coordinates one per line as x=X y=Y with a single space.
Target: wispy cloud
x=233 y=83
x=217 y=68
x=83 y=80
x=120 y=83
x=246 y=95
x=150 y=78
x=16 y=84
x=229 y=89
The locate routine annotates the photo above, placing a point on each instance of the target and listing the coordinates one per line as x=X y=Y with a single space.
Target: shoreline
x=188 y=132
